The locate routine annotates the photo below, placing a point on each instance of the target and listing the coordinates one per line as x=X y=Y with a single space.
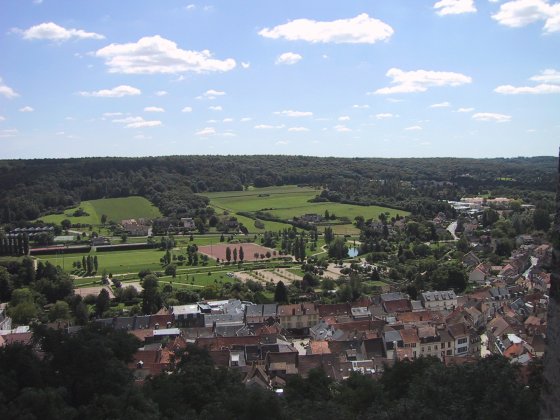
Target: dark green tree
x=281 y=293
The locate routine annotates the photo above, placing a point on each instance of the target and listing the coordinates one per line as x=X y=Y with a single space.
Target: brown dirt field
x=219 y=251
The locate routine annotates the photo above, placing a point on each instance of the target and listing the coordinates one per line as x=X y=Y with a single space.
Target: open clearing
x=115 y=209
x=290 y=201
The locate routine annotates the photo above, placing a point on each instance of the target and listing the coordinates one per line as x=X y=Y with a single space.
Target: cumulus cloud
x=291 y=113
x=490 y=116
x=361 y=29
x=441 y=105
x=227 y=120
x=245 y=65
x=282 y=143
x=207 y=131
x=465 y=110
x=360 y=106
x=212 y=94
x=413 y=128
x=53 y=32
x=454 y=7
x=137 y=122
x=9 y=132
x=246 y=119
x=116 y=92
x=298 y=129
x=154 y=109
x=155 y=54
x=288 y=58
x=519 y=13
x=384 y=115
x=2 y=118
x=161 y=93
x=26 y=109
x=215 y=108
x=420 y=80
x=7 y=91
x=344 y=118
x=549 y=77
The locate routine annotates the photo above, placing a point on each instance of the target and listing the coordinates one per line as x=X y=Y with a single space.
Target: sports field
x=115 y=209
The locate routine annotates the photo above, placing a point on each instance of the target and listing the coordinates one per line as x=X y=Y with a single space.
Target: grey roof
x=387 y=297
x=221 y=319
x=270 y=309
x=254 y=310
x=439 y=295
x=416 y=305
x=392 y=335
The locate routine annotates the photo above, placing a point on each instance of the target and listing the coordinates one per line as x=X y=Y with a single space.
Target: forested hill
x=31 y=188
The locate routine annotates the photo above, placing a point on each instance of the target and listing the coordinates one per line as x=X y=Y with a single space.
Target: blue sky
x=376 y=78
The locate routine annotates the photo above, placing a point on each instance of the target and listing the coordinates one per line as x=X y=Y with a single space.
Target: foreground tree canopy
x=85 y=376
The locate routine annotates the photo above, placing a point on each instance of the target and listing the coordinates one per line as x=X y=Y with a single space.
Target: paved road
x=451 y=229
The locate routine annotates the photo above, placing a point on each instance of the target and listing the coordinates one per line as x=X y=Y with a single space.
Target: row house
x=439 y=300
x=298 y=316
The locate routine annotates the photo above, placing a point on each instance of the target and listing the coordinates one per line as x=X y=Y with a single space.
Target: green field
x=116 y=209
x=288 y=201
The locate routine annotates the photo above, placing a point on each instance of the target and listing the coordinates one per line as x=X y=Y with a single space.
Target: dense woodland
x=32 y=188
x=85 y=376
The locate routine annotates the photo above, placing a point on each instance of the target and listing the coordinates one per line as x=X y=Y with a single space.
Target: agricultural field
x=291 y=201
x=116 y=209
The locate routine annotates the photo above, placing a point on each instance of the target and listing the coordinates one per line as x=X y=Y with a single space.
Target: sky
x=375 y=78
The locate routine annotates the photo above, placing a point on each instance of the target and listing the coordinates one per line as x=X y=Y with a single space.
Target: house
x=460 y=335
x=140 y=227
x=100 y=240
x=480 y=274
x=5 y=320
x=392 y=340
x=430 y=343
x=188 y=223
x=259 y=314
x=439 y=300
x=297 y=316
x=411 y=341
x=188 y=316
x=361 y=312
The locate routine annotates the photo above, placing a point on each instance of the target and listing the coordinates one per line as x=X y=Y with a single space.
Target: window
x=435 y=347
x=429 y=348
x=462 y=340
x=449 y=352
x=462 y=349
x=413 y=345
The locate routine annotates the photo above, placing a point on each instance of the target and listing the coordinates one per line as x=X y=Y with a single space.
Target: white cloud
x=142 y=137
x=298 y=129
x=245 y=65
x=441 y=105
x=282 y=143
x=116 y=92
x=2 y=118
x=420 y=80
x=360 y=106
x=137 y=122
x=550 y=77
x=26 y=109
x=547 y=76
x=215 y=108
x=291 y=113
x=155 y=54
x=358 y=30
x=465 y=110
x=533 y=90
x=208 y=131
x=187 y=109
x=7 y=91
x=211 y=121
x=112 y=114
x=37 y=1
x=246 y=119
x=519 y=13
x=54 y=32
x=267 y=126
x=227 y=120
x=190 y=7
x=344 y=118
x=454 y=7
x=154 y=109
x=341 y=128
x=384 y=115
x=161 y=93
x=413 y=128
x=288 y=58
x=489 y=116
x=212 y=93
